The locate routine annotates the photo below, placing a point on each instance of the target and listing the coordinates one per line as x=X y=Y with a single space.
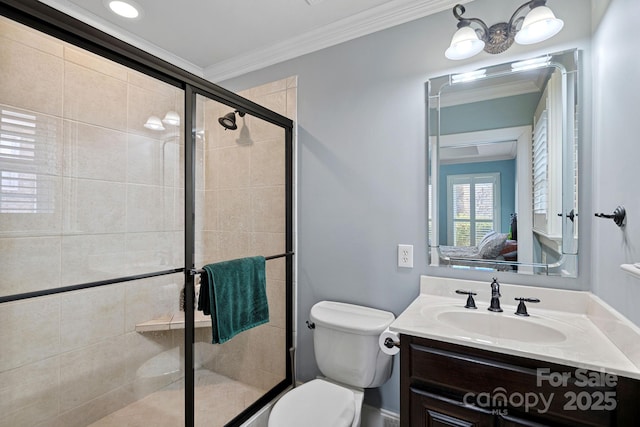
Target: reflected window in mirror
x=472 y=207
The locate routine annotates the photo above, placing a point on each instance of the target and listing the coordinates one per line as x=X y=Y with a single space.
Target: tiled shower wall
x=108 y=202
x=241 y=212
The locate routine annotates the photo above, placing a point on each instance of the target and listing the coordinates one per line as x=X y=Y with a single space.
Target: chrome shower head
x=228 y=121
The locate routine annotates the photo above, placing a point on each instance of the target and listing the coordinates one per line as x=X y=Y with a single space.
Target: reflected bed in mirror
x=502 y=167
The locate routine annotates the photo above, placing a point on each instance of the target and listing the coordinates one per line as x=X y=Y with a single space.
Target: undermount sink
x=501 y=326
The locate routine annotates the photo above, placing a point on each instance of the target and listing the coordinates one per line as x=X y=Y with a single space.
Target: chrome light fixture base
x=539 y=24
x=499 y=38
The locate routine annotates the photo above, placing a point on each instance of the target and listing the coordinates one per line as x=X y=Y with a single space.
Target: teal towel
x=238 y=296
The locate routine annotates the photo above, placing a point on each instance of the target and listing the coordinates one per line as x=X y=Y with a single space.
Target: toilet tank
x=346 y=346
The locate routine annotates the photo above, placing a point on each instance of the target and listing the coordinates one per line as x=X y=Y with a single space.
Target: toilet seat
x=317 y=403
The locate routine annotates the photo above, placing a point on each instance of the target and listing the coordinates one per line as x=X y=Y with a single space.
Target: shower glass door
x=116 y=180
x=91 y=238
x=240 y=211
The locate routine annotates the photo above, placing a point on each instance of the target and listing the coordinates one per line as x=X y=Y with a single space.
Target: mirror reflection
x=503 y=167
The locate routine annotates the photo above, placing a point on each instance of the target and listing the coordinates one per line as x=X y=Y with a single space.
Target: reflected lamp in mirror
x=538 y=25
x=502 y=167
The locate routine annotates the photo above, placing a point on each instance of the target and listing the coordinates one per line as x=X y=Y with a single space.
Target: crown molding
x=379 y=18
x=103 y=25
x=488 y=93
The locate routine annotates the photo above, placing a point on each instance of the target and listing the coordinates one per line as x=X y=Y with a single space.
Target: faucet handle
x=470 y=302
x=495 y=287
x=522 y=309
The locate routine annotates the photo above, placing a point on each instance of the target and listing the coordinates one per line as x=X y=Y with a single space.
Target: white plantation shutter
x=540 y=166
x=461 y=209
x=27 y=163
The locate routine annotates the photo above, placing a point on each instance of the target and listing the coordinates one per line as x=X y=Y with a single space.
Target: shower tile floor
x=218 y=399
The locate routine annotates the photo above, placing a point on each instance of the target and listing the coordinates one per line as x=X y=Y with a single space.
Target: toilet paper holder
x=389 y=343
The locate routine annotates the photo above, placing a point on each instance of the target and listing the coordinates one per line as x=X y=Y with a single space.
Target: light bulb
x=540 y=24
x=464 y=44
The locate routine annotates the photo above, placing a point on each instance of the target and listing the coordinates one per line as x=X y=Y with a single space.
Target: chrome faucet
x=495 y=296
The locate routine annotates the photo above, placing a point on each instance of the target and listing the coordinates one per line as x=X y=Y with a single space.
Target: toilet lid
x=317 y=403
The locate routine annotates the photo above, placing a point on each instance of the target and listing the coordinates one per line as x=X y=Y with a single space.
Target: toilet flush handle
x=311 y=325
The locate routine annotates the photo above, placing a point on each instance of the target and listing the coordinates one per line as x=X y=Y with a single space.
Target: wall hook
x=618 y=216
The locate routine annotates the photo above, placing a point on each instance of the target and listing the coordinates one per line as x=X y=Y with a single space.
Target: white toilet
x=346 y=346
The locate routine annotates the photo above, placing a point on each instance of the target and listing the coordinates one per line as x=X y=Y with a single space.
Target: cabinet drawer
x=430 y=410
x=518 y=385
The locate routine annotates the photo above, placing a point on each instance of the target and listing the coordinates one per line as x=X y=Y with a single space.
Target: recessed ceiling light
x=126 y=9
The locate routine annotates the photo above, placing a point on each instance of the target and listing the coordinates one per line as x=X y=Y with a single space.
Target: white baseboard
x=376 y=417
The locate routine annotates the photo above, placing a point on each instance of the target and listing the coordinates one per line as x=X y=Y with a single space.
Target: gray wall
x=361 y=163
x=616 y=67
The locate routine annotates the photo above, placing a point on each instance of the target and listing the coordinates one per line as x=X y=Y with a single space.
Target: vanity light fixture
x=538 y=25
x=127 y=9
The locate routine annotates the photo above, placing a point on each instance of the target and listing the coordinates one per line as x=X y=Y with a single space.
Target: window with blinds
x=474 y=202
x=27 y=157
x=540 y=166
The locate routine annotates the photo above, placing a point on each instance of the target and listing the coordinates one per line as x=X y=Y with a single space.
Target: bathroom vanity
x=572 y=362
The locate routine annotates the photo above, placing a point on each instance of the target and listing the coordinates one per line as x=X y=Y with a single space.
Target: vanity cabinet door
x=430 y=410
x=450 y=384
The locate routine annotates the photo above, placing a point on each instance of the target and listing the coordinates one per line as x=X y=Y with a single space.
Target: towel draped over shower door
x=234 y=292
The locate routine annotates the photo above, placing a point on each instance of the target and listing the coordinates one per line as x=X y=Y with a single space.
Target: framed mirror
x=503 y=167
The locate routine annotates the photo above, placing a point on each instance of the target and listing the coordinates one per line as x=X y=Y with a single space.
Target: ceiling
x=220 y=39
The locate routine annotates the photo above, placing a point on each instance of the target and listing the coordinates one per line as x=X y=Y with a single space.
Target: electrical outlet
x=405 y=256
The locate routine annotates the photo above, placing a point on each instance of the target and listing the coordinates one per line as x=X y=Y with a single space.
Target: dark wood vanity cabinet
x=445 y=384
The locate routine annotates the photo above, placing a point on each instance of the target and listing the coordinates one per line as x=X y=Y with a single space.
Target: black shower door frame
x=48 y=20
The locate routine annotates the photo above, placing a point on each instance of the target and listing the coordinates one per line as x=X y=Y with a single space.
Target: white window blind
x=540 y=166
x=27 y=157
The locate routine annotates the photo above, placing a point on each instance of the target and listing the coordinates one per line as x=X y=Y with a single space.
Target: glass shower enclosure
x=117 y=184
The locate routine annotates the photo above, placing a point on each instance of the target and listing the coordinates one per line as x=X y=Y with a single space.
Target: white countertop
x=591 y=335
